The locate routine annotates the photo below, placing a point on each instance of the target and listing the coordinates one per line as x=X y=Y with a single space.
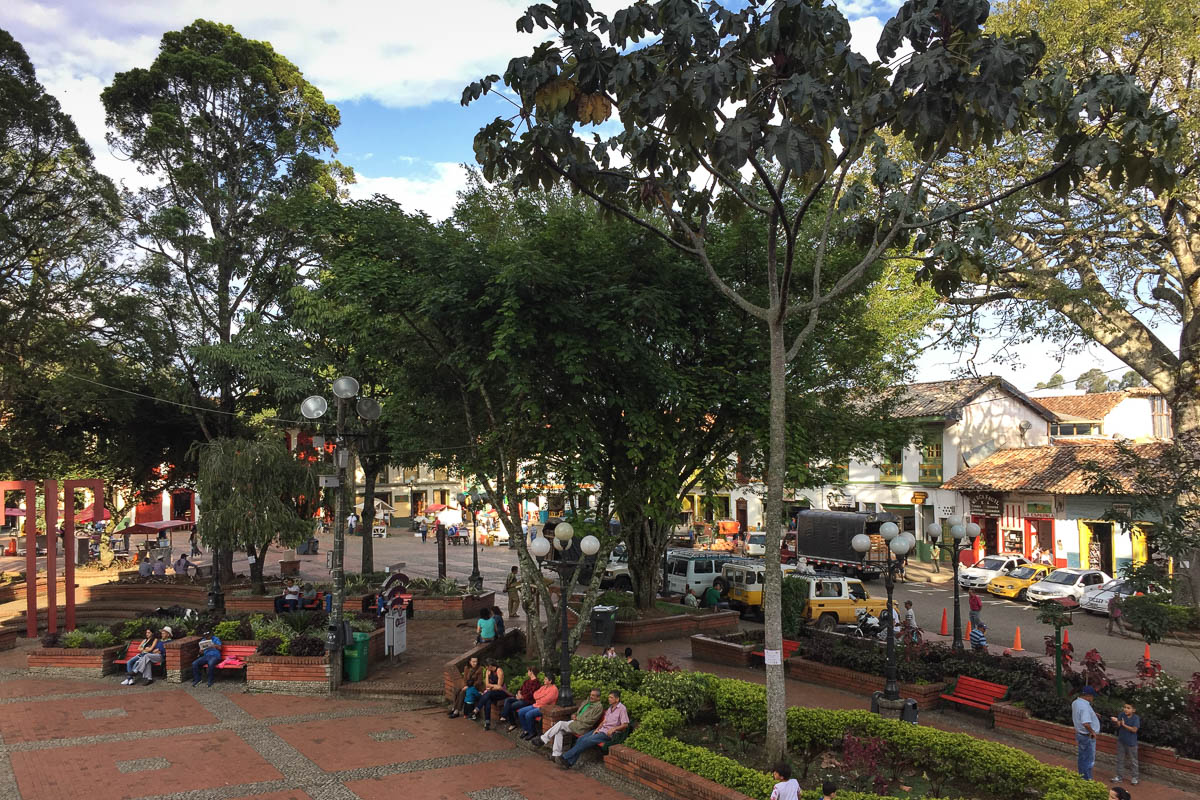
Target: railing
x=931 y=473
x=890 y=473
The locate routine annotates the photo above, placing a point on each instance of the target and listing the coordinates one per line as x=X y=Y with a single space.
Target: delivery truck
x=822 y=540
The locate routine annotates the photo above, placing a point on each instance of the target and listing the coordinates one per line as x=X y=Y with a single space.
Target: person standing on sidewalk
x=1128 y=723
x=1087 y=725
x=512 y=588
x=976 y=605
x=935 y=552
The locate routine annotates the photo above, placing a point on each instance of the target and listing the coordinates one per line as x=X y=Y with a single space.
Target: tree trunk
x=256 y=569
x=1185 y=416
x=370 y=474
x=226 y=565
x=776 y=744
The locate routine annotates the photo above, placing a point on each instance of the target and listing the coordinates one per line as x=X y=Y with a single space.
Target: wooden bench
x=975 y=693
x=789 y=649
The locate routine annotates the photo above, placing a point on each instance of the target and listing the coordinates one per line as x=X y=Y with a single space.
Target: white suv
x=1068 y=582
x=988 y=567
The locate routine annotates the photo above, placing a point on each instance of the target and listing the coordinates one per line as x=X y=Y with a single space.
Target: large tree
x=1112 y=264
x=232 y=137
x=719 y=107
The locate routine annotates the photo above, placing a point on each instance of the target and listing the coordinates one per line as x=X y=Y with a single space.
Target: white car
x=988 y=567
x=500 y=535
x=1095 y=598
x=1067 y=582
x=756 y=544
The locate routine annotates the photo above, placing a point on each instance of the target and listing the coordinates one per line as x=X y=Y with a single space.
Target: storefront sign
x=919 y=498
x=1039 y=510
x=985 y=506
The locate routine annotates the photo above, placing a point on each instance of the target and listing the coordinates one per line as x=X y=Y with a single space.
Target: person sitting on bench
x=151 y=651
x=615 y=719
x=582 y=721
x=210 y=654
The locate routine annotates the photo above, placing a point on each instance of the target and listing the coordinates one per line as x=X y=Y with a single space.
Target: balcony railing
x=890 y=473
x=931 y=473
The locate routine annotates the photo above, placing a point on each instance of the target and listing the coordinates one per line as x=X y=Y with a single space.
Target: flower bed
x=653 y=629
x=1019 y=722
x=670 y=708
x=288 y=674
x=731 y=648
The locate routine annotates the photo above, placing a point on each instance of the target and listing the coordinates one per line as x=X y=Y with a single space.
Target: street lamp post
x=958 y=532
x=475 y=582
x=314 y=407
x=898 y=544
x=589 y=546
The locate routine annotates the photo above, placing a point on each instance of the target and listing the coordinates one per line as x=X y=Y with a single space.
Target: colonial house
x=1042 y=496
x=1138 y=414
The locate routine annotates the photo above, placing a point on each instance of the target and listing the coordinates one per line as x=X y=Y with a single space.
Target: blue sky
x=396 y=69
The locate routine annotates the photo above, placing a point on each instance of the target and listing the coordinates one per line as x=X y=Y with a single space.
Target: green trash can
x=925 y=552
x=354 y=658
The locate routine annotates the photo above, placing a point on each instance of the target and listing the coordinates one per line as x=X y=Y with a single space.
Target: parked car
x=981 y=573
x=1066 y=582
x=696 y=568
x=1095 y=599
x=1014 y=584
x=756 y=545
x=616 y=573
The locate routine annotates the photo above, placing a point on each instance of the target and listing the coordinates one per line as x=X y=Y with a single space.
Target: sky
x=395 y=69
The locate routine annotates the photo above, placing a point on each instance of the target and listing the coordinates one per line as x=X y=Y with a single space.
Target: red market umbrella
x=87 y=515
x=436 y=507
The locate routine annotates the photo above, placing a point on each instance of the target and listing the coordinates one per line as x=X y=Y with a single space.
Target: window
x=703 y=567
x=931 y=457
x=841 y=472
x=1074 y=429
x=891 y=469
x=829 y=589
x=679 y=567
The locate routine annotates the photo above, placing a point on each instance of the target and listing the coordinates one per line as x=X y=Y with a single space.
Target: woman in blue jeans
x=530 y=716
x=524 y=698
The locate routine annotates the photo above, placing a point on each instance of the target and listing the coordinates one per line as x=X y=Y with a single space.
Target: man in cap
x=1087 y=725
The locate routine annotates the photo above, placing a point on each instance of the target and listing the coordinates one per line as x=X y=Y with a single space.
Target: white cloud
x=435 y=195
x=864 y=35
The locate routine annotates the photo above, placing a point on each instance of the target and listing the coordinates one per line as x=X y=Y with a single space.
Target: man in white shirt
x=1087 y=725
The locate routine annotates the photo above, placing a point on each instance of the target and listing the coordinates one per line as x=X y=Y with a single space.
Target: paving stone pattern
x=103 y=741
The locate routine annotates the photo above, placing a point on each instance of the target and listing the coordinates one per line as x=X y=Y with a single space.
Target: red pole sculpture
x=50 y=498
x=69 y=487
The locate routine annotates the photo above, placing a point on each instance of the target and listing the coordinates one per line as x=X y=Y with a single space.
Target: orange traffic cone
x=945 y=631
x=1016 y=648
x=1146 y=653
x=1066 y=637
x=967 y=632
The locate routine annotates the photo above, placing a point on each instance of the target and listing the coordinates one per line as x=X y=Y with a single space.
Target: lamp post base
x=901 y=709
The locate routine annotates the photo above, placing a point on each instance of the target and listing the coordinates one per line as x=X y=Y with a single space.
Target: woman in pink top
x=530 y=716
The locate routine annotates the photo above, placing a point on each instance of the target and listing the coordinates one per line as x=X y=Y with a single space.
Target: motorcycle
x=867 y=625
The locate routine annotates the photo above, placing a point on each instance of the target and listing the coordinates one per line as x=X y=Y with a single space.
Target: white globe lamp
x=590 y=545
x=888 y=531
x=861 y=543
x=540 y=547
x=563 y=531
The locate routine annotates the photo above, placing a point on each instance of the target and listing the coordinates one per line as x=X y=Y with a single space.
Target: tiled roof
x=1090 y=407
x=945 y=398
x=1055 y=469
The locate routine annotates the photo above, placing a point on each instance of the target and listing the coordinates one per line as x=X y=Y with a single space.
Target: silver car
x=1067 y=582
x=756 y=544
x=1096 y=599
x=988 y=567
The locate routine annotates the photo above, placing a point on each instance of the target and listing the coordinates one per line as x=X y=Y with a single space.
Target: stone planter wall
x=375 y=652
x=290 y=674
x=8 y=638
x=1152 y=760
x=19 y=590
x=463 y=606
x=180 y=655
x=667 y=780
x=718 y=651
x=513 y=641
x=72 y=662
x=674 y=627
x=926 y=694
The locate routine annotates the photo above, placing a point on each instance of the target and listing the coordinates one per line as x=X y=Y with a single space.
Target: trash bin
x=354 y=658
x=604 y=625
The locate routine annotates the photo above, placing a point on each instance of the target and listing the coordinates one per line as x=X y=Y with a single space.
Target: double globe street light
x=958 y=532
x=475 y=582
x=314 y=407
x=565 y=565
x=898 y=546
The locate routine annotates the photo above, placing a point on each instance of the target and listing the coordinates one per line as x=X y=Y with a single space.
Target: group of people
x=978 y=629
x=490 y=625
x=151 y=651
x=1087 y=725
x=788 y=788
x=593 y=724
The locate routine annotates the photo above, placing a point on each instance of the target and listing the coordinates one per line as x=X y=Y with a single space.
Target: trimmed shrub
x=741 y=704
x=608 y=672
x=304 y=645
x=270 y=646
x=688 y=692
x=701 y=761
x=793 y=600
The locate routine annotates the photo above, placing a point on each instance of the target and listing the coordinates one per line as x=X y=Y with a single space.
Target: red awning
x=87 y=514
x=154 y=527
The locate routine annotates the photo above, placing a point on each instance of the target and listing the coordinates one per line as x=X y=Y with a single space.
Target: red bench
x=975 y=693
x=789 y=649
x=233 y=656
x=131 y=651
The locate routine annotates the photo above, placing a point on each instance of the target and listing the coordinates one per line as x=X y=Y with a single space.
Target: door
x=677 y=575
x=1040 y=533
x=743 y=516
x=1100 y=549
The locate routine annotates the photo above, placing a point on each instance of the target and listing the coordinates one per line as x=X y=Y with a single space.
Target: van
x=697 y=569
x=745 y=585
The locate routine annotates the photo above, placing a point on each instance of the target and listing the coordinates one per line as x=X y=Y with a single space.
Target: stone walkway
x=62 y=738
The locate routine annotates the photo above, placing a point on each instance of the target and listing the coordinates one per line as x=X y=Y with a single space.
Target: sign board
x=395 y=631
x=328 y=481
x=985 y=506
x=1039 y=510
x=919 y=498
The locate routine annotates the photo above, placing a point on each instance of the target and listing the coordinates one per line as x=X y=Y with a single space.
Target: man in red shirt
x=976 y=606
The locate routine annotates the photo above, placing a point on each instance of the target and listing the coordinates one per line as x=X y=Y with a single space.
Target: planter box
x=1160 y=760
x=513 y=641
x=8 y=638
x=69 y=662
x=180 y=655
x=800 y=669
x=667 y=780
x=717 y=650
x=290 y=674
x=673 y=627
x=464 y=606
x=375 y=646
